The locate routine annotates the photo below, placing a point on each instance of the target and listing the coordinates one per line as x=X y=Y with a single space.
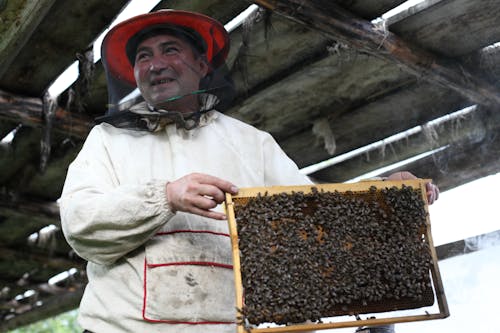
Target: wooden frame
x=354 y=187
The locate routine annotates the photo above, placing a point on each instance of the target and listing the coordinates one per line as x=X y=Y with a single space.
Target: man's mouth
x=161 y=81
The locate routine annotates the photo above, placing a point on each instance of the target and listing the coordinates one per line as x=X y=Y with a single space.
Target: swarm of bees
x=323 y=254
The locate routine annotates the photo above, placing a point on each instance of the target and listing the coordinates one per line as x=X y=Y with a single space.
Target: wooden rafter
x=454 y=131
x=29 y=111
x=27 y=20
x=467 y=245
x=55 y=264
x=337 y=23
x=51 y=306
x=44 y=211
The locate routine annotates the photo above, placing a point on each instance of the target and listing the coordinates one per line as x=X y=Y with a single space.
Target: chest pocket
x=188 y=276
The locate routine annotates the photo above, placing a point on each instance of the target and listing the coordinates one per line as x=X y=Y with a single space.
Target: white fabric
x=114 y=214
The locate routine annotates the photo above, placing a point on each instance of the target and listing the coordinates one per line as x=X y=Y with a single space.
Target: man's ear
x=203 y=66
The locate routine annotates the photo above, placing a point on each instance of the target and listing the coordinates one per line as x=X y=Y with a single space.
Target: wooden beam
x=266 y=56
x=458 y=165
x=474 y=153
x=40 y=267
x=48 y=186
x=450 y=28
x=6 y=127
x=338 y=84
x=486 y=62
x=411 y=106
x=22 y=22
x=368 y=9
x=46 y=212
x=21 y=152
x=328 y=18
x=67 y=29
x=451 y=131
x=410 y=11
x=464 y=161
x=468 y=245
x=29 y=111
x=221 y=10
x=50 y=307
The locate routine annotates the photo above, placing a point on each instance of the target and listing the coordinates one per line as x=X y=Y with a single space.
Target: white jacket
x=151 y=270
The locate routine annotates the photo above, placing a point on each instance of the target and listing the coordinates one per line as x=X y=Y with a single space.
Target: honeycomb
x=307 y=256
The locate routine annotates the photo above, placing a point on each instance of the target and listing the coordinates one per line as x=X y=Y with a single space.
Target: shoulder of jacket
x=229 y=121
x=105 y=129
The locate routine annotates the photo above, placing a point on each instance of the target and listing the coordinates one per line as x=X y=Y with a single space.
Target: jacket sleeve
x=279 y=168
x=102 y=219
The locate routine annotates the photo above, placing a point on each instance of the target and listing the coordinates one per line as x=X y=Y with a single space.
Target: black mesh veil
x=217 y=82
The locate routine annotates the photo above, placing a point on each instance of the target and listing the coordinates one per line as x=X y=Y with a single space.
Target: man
x=141 y=200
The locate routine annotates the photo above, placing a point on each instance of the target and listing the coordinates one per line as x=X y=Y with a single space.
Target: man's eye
x=170 y=50
x=141 y=56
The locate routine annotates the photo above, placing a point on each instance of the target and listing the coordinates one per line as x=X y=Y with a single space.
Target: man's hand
x=198 y=193
x=432 y=190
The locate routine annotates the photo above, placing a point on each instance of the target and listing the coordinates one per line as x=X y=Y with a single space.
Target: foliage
x=63 y=323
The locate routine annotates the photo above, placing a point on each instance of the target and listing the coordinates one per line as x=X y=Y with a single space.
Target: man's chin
x=165 y=100
x=175 y=102
x=173 y=105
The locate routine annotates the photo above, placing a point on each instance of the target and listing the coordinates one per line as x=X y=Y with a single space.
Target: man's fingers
x=203 y=202
x=198 y=193
x=401 y=175
x=432 y=192
x=221 y=184
x=213 y=192
x=208 y=213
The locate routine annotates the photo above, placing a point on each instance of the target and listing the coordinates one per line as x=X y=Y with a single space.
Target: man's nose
x=157 y=63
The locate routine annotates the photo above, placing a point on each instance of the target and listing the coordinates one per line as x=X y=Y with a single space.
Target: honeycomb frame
x=362 y=188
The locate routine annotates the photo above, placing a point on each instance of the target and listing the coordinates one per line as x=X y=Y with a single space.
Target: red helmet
x=114 y=47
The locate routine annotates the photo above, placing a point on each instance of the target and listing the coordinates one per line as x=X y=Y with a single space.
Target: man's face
x=165 y=67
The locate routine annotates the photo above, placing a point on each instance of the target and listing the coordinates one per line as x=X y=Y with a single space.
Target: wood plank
x=462 y=162
x=6 y=127
x=29 y=111
x=374 y=121
x=369 y=9
x=413 y=10
x=21 y=225
x=52 y=306
x=48 y=185
x=468 y=245
x=51 y=48
x=452 y=27
x=468 y=127
x=24 y=148
x=337 y=84
x=456 y=166
x=268 y=55
x=38 y=213
x=328 y=18
x=13 y=264
x=19 y=21
x=221 y=10
x=486 y=62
